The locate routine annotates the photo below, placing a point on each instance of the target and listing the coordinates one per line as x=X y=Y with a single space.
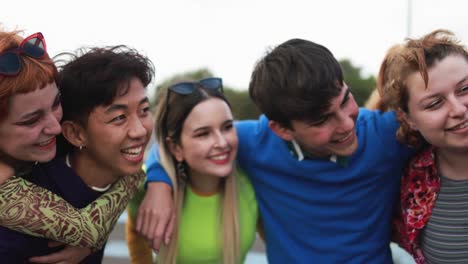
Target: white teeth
x=221 y=157
x=133 y=151
x=463 y=125
x=346 y=137
x=44 y=143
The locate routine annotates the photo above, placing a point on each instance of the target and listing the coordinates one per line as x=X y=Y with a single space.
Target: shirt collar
x=300 y=154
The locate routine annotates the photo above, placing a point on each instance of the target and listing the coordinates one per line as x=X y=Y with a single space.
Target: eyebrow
x=346 y=97
x=462 y=80
x=32 y=114
x=39 y=111
x=430 y=96
x=207 y=127
x=117 y=107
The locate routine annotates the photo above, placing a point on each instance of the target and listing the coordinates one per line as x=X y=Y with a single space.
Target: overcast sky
x=228 y=37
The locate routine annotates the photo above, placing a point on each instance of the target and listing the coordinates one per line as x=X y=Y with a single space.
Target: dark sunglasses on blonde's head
x=188 y=87
x=33 y=46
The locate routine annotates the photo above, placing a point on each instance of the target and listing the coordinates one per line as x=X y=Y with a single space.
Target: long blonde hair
x=171 y=112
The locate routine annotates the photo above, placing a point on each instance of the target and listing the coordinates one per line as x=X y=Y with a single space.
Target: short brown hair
x=297 y=80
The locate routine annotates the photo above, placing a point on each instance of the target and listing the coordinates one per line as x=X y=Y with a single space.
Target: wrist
x=158 y=187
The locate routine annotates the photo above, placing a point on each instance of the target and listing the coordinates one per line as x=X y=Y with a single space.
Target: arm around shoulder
x=30 y=209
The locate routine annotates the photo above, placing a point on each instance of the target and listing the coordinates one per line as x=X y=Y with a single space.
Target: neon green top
x=199 y=227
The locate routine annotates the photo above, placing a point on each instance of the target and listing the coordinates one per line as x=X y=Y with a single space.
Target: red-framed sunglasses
x=33 y=46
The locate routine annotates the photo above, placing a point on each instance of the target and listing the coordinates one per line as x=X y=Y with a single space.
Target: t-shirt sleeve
x=154 y=170
x=249 y=133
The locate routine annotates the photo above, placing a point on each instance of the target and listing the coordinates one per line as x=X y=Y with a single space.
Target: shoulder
x=376 y=116
x=421 y=167
x=252 y=127
x=374 y=122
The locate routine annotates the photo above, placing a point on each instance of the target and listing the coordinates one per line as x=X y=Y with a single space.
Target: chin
x=224 y=174
x=348 y=151
x=45 y=158
x=131 y=171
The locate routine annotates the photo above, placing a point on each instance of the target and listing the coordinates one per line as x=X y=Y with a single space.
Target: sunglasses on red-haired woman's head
x=33 y=46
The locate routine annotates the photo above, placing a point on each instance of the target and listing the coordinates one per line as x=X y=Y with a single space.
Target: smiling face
x=117 y=134
x=208 y=142
x=334 y=134
x=439 y=112
x=28 y=132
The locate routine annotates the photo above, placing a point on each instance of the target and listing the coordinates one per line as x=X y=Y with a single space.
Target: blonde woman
x=216 y=211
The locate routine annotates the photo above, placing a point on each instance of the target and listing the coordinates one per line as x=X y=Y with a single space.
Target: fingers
x=51 y=258
x=170 y=229
x=68 y=255
x=55 y=244
x=164 y=229
x=139 y=222
x=148 y=222
x=158 y=234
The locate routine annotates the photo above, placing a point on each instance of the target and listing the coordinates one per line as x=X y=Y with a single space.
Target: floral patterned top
x=420 y=186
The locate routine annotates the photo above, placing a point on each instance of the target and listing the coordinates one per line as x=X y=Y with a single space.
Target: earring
x=81 y=147
x=181 y=173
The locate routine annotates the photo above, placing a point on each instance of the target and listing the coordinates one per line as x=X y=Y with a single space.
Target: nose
x=458 y=108
x=137 y=129
x=220 y=140
x=52 y=126
x=346 y=122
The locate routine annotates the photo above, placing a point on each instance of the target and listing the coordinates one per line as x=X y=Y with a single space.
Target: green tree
x=361 y=86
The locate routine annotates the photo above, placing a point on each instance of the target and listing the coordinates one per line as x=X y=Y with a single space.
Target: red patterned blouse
x=420 y=186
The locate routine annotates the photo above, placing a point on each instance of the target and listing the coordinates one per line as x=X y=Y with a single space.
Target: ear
x=74 y=133
x=407 y=119
x=175 y=149
x=281 y=131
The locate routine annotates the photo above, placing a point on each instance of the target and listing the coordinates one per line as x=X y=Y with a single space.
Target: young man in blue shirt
x=326 y=173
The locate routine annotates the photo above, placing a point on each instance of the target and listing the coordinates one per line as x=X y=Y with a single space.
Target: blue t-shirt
x=315 y=210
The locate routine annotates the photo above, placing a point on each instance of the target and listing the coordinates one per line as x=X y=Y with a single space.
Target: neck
x=453 y=163
x=89 y=171
x=204 y=184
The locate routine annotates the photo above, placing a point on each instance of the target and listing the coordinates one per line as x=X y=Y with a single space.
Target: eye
x=228 y=126
x=434 y=104
x=145 y=110
x=320 y=121
x=463 y=90
x=118 y=118
x=29 y=122
x=202 y=134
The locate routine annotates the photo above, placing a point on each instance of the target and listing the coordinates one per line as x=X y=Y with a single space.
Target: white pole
x=409 y=19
